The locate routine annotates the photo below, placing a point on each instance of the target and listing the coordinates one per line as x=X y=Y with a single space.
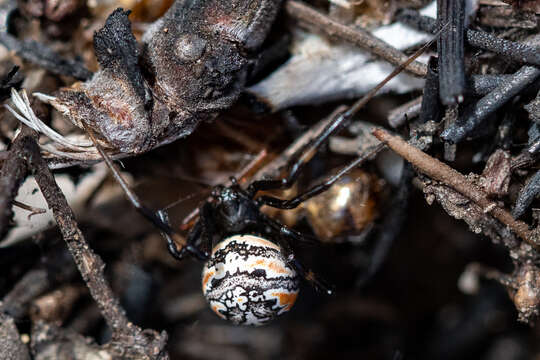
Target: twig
x=273 y=168
x=131 y=339
x=411 y=109
x=12 y=175
x=478 y=85
x=45 y=57
x=478 y=112
x=511 y=50
x=450 y=177
x=89 y=264
x=450 y=117
x=526 y=196
x=33 y=210
x=233 y=134
x=359 y=37
x=450 y=48
x=57 y=267
x=431 y=103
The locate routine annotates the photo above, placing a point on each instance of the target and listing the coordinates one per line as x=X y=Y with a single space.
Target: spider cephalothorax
x=233 y=209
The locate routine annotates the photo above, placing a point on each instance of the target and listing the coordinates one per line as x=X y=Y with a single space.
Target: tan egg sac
x=347 y=208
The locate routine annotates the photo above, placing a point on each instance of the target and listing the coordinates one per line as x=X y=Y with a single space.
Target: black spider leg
x=306 y=153
x=156 y=219
x=293 y=233
x=283 y=235
x=189 y=247
x=208 y=227
x=203 y=229
x=319 y=188
x=299 y=159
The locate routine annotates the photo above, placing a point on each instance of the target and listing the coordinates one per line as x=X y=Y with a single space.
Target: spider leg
x=300 y=158
x=157 y=219
x=293 y=234
x=188 y=247
x=283 y=235
x=208 y=227
x=319 y=188
x=306 y=153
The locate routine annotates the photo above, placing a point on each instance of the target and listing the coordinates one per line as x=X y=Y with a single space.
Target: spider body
x=248 y=281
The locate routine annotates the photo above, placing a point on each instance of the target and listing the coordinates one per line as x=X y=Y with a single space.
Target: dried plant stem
x=89 y=264
x=359 y=37
x=450 y=47
x=511 y=50
x=13 y=173
x=450 y=177
x=130 y=338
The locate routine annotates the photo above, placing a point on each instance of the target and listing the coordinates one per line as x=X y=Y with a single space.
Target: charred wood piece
x=450 y=48
x=194 y=63
x=526 y=196
x=431 y=105
x=533 y=108
x=477 y=113
x=510 y=50
x=43 y=56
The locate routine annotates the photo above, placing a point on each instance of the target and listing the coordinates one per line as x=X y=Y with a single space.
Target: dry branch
x=129 y=340
x=13 y=173
x=450 y=177
x=359 y=37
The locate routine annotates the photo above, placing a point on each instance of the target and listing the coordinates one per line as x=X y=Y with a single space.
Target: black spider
x=232 y=210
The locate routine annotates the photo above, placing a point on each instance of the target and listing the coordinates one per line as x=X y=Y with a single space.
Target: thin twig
x=450 y=48
x=411 y=109
x=230 y=132
x=475 y=115
x=89 y=264
x=44 y=56
x=130 y=337
x=527 y=195
x=33 y=210
x=12 y=175
x=357 y=36
x=450 y=177
x=515 y=51
x=274 y=168
x=450 y=117
x=58 y=268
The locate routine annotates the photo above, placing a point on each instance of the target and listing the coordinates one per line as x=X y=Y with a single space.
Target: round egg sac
x=248 y=281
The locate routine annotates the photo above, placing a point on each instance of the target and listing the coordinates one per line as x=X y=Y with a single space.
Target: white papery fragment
x=321 y=71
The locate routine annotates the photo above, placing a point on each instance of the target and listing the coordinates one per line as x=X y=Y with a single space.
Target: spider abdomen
x=248 y=281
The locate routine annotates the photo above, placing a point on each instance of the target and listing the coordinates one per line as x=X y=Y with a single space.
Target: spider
x=252 y=274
